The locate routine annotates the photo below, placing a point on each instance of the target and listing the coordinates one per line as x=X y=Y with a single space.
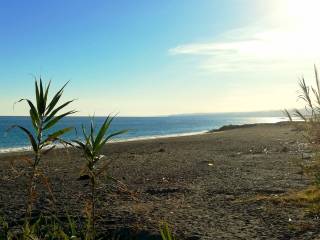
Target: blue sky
x=156 y=57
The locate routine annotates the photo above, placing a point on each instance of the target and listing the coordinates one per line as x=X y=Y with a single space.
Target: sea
x=138 y=127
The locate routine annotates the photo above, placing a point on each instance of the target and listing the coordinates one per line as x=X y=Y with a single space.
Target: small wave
x=15 y=149
x=59 y=145
x=158 y=136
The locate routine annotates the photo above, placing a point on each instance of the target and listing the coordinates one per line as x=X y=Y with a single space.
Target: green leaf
x=72 y=225
x=92 y=132
x=58 y=133
x=37 y=94
x=33 y=111
x=103 y=129
x=87 y=138
x=46 y=94
x=53 y=102
x=85 y=147
x=56 y=119
x=34 y=123
x=109 y=137
x=80 y=144
x=52 y=114
x=299 y=114
x=29 y=134
x=55 y=99
x=166 y=233
x=286 y=112
x=41 y=100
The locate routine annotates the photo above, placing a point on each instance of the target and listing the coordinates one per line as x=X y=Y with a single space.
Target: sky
x=146 y=58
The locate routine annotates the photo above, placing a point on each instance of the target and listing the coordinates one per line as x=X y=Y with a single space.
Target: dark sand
x=205 y=185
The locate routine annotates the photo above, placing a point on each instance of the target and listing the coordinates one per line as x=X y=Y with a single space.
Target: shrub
x=43 y=115
x=311 y=115
x=91 y=148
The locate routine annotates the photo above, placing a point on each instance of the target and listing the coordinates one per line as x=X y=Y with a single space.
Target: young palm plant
x=91 y=148
x=44 y=115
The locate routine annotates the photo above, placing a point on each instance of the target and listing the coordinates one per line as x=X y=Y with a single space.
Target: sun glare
x=295 y=32
x=301 y=13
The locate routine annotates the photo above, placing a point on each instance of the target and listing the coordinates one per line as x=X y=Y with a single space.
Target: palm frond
x=29 y=134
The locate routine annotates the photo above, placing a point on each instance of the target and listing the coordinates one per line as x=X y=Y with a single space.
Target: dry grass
x=303 y=198
x=309 y=199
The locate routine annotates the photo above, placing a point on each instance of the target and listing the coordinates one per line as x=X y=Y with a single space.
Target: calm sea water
x=139 y=127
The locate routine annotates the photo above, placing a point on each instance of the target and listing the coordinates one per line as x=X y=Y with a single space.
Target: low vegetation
x=310 y=116
x=44 y=116
x=91 y=148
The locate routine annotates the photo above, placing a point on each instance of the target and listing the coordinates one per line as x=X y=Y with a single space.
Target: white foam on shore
x=15 y=149
x=59 y=145
x=158 y=136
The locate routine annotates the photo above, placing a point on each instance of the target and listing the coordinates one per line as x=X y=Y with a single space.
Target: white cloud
x=261 y=50
x=293 y=42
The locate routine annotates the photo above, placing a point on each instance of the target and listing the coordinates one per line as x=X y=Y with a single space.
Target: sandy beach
x=205 y=186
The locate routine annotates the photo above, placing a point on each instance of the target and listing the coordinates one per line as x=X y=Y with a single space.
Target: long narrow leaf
x=33 y=113
x=103 y=129
x=37 y=94
x=85 y=147
x=79 y=144
x=109 y=137
x=41 y=99
x=55 y=99
x=29 y=134
x=58 y=133
x=34 y=122
x=55 y=111
x=92 y=132
x=46 y=94
x=299 y=114
x=56 y=119
x=317 y=78
x=286 y=112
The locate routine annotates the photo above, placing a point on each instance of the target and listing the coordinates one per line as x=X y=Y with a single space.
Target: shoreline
x=27 y=149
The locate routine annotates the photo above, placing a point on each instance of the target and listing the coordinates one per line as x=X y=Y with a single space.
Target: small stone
x=162 y=150
x=84 y=177
x=306 y=156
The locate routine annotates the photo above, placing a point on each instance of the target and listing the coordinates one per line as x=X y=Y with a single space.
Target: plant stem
x=32 y=184
x=31 y=187
x=93 y=207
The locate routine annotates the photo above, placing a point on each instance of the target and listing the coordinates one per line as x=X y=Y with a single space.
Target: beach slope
x=208 y=186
